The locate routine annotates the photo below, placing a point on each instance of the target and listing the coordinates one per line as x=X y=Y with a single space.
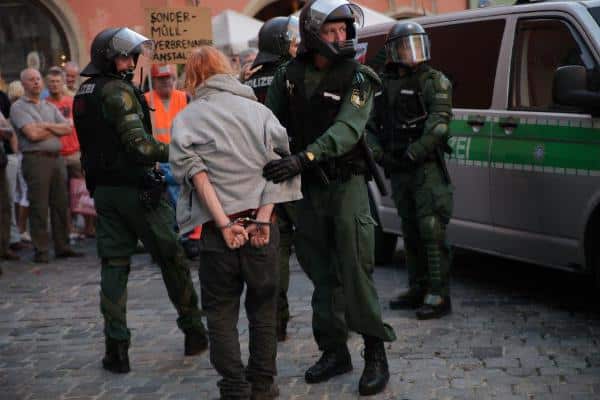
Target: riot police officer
x=118 y=156
x=277 y=40
x=323 y=97
x=410 y=127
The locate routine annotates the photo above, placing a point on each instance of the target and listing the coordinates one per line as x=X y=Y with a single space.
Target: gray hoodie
x=227 y=133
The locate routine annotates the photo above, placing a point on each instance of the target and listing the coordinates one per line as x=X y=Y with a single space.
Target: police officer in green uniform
x=410 y=132
x=276 y=39
x=118 y=156
x=323 y=97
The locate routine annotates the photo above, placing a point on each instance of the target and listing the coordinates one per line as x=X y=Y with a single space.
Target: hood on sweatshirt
x=224 y=83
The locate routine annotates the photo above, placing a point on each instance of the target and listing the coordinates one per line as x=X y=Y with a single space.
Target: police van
x=526 y=130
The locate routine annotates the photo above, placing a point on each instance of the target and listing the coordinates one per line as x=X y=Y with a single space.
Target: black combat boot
x=409 y=299
x=195 y=343
x=116 y=358
x=435 y=306
x=376 y=374
x=333 y=362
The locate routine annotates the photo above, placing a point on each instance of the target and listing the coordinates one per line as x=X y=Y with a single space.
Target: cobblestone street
x=517 y=332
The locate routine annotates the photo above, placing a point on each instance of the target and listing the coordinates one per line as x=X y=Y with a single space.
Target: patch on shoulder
x=127 y=101
x=444 y=83
x=357 y=98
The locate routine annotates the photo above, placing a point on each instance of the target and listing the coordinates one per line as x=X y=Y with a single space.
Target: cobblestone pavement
x=517 y=332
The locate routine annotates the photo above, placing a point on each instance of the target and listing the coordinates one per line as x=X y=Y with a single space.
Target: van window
x=541 y=46
x=467 y=53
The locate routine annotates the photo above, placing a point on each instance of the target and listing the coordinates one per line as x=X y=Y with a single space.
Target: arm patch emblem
x=357 y=98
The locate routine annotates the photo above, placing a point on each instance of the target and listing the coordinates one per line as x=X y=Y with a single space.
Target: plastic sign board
x=177 y=31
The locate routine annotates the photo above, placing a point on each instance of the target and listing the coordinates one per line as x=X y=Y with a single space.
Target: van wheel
x=385 y=246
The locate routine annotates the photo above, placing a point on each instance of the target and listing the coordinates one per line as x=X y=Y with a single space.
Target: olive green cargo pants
x=424 y=202
x=121 y=221
x=335 y=247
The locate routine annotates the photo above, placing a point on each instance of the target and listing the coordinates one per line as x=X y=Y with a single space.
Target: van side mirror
x=570 y=89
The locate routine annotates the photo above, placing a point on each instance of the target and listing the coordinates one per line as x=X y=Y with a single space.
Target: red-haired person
x=219 y=144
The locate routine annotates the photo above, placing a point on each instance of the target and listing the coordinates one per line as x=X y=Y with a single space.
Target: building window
x=29 y=36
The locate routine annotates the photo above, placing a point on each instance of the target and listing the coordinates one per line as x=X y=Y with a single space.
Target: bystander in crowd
x=55 y=81
x=71 y=78
x=6 y=133
x=15 y=91
x=39 y=125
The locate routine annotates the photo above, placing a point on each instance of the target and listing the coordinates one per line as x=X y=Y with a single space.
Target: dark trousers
x=223 y=273
x=46 y=179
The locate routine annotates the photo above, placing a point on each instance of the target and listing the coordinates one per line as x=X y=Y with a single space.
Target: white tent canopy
x=232 y=31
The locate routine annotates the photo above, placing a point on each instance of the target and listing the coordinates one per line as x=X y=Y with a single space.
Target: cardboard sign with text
x=176 y=31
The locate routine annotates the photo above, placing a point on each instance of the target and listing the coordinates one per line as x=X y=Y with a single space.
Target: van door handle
x=476 y=122
x=509 y=125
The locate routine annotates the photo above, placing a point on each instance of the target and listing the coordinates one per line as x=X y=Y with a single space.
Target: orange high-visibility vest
x=162 y=118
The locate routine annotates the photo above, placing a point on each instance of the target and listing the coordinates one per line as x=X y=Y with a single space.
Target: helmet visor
x=408 y=50
x=127 y=42
x=293 y=29
x=321 y=9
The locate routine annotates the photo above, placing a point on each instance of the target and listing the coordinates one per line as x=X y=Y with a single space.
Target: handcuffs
x=244 y=221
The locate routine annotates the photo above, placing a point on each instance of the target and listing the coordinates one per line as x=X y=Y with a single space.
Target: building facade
x=43 y=33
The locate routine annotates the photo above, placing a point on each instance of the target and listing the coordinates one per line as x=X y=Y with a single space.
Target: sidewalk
x=501 y=342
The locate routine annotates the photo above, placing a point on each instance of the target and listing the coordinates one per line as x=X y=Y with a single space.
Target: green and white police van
x=525 y=133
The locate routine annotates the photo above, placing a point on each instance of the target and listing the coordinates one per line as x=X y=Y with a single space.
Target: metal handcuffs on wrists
x=244 y=221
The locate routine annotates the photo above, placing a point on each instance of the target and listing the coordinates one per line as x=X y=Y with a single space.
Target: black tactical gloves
x=286 y=168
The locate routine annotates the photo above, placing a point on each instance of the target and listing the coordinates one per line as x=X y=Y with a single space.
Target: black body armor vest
x=310 y=117
x=103 y=155
x=403 y=110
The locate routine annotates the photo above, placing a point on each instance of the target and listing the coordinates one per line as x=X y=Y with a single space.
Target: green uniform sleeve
x=121 y=108
x=437 y=95
x=351 y=120
x=276 y=99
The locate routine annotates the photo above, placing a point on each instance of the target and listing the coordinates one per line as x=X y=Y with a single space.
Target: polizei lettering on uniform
x=259 y=82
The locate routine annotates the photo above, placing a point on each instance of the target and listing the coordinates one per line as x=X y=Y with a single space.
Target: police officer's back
x=118 y=157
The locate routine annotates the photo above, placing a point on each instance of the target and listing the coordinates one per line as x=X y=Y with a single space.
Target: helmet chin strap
x=127 y=75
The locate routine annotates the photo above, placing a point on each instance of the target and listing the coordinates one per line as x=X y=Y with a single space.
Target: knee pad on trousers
x=430 y=228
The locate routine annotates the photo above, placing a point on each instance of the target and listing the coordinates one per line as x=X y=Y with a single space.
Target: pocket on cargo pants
x=365 y=241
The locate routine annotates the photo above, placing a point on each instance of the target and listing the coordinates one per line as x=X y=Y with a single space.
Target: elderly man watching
x=39 y=126
x=71 y=78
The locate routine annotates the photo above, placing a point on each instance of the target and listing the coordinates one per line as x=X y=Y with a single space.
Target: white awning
x=232 y=31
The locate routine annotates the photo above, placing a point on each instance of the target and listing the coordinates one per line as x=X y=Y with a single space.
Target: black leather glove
x=285 y=168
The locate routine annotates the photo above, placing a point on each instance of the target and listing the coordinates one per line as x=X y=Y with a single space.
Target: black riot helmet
x=274 y=39
x=113 y=42
x=318 y=12
x=407 y=44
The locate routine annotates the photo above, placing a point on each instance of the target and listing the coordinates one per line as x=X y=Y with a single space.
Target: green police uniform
x=112 y=122
x=325 y=112
x=410 y=127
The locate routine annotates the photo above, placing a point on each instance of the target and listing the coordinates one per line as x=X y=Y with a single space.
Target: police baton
x=372 y=167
